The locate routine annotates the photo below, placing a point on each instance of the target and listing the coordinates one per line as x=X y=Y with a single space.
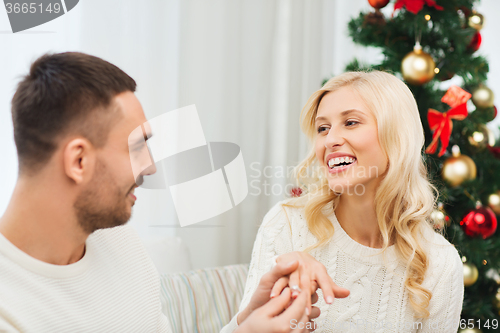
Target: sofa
x=195 y=301
x=204 y=300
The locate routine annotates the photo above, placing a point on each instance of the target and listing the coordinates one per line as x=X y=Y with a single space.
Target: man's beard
x=101 y=205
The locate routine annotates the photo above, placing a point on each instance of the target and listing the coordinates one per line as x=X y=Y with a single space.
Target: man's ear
x=79 y=160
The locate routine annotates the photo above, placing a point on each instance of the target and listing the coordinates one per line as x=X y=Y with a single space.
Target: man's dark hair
x=64 y=94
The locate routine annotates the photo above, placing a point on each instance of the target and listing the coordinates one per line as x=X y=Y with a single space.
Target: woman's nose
x=333 y=139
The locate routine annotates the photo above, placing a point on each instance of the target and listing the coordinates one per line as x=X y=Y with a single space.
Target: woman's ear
x=79 y=160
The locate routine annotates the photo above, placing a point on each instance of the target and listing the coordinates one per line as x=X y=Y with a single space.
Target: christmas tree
x=426 y=43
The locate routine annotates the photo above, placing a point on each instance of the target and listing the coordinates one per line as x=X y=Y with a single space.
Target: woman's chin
x=346 y=186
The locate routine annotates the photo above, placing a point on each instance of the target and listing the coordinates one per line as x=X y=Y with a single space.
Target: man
x=68 y=262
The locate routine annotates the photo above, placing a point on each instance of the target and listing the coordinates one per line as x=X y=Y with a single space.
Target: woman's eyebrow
x=347 y=112
x=342 y=114
x=320 y=119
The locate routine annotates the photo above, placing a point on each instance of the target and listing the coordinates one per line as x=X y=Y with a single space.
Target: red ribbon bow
x=441 y=123
x=414 y=6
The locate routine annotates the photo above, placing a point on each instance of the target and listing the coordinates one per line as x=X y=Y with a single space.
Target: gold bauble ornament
x=484 y=136
x=476 y=20
x=470 y=274
x=418 y=66
x=483 y=97
x=439 y=218
x=496 y=301
x=458 y=168
x=494 y=202
x=470 y=330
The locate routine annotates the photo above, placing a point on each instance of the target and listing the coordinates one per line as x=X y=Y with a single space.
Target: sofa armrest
x=203 y=300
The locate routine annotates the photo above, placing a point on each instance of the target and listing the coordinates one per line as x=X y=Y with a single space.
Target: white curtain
x=248 y=65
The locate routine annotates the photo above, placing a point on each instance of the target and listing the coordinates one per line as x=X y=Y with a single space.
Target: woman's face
x=347 y=146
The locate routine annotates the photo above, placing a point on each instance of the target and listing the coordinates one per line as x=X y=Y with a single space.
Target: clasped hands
x=286 y=294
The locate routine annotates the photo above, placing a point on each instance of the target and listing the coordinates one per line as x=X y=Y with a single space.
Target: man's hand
x=262 y=294
x=270 y=318
x=310 y=275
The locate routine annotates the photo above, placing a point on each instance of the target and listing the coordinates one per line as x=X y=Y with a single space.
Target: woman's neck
x=357 y=216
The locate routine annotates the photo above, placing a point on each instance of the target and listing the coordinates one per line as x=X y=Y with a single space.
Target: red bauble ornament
x=475 y=42
x=480 y=222
x=296 y=192
x=377 y=4
x=495 y=151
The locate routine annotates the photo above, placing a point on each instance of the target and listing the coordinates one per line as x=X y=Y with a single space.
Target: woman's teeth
x=340 y=161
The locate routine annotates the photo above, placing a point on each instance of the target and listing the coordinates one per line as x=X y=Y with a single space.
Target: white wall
x=142 y=40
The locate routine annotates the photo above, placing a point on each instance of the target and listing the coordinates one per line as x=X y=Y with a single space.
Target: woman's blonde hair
x=404 y=198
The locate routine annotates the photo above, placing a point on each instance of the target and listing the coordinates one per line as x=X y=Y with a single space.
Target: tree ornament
x=483 y=97
x=296 y=192
x=377 y=4
x=482 y=137
x=418 y=66
x=439 y=218
x=475 y=42
x=496 y=301
x=470 y=330
x=470 y=274
x=458 y=168
x=479 y=222
x=441 y=124
x=494 y=202
x=476 y=20
x=414 y=6
x=495 y=151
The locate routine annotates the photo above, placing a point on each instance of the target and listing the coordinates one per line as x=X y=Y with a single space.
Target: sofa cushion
x=203 y=300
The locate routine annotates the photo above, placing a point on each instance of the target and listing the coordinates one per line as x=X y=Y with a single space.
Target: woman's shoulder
x=288 y=211
x=442 y=255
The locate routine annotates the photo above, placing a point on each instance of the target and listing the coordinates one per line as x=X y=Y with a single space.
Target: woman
x=365 y=214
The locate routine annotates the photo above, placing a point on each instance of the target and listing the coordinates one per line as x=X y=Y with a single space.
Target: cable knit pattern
x=378 y=301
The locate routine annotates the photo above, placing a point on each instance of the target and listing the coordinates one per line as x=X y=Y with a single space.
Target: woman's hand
x=310 y=275
x=273 y=318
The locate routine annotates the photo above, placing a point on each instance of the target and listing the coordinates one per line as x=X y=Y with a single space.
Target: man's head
x=72 y=115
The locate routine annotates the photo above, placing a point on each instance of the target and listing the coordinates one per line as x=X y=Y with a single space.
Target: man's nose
x=151 y=169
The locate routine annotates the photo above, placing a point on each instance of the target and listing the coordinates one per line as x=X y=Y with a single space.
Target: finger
x=314 y=297
x=305 y=324
x=315 y=312
x=279 y=270
x=296 y=311
x=279 y=286
x=278 y=304
x=305 y=284
x=314 y=286
x=326 y=284
x=294 y=283
x=340 y=292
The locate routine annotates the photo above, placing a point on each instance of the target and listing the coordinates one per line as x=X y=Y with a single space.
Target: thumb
x=278 y=304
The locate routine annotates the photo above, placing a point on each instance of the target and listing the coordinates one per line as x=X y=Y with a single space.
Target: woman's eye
x=351 y=122
x=322 y=129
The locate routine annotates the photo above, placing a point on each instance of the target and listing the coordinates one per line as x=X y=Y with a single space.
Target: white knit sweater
x=113 y=288
x=378 y=301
